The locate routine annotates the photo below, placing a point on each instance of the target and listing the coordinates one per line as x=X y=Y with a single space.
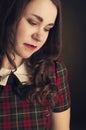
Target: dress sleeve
x=59 y=79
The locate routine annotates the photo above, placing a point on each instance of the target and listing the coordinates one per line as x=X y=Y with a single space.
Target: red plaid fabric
x=17 y=114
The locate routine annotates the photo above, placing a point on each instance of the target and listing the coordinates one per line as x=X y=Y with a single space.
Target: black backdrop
x=73 y=53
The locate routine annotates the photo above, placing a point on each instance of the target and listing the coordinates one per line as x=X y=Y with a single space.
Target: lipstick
x=30 y=46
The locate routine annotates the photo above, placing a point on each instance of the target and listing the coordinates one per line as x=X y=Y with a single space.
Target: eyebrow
x=41 y=19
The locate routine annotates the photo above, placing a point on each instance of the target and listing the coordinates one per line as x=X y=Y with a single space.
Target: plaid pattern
x=17 y=114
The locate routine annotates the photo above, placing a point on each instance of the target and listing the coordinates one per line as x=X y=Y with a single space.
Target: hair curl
x=39 y=64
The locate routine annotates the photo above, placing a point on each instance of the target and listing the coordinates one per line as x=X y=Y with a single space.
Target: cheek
x=22 y=29
x=45 y=37
x=44 y=40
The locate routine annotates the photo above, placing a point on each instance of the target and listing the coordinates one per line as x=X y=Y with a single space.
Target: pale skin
x=61 y=120
x=33 y=29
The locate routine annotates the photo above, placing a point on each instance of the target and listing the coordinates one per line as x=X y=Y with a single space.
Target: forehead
x=43 y=8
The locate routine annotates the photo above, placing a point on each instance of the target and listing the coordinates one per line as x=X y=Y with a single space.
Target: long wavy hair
x=39 y=64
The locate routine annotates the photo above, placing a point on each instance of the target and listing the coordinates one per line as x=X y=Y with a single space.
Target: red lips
x=32 y=47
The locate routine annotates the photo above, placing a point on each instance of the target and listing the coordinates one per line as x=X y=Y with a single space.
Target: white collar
x=21 y=73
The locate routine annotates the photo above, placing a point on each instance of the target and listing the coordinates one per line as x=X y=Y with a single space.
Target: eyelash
x=34 y=23
x=47 y=30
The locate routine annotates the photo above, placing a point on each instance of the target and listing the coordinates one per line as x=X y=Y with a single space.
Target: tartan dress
x=17 y=113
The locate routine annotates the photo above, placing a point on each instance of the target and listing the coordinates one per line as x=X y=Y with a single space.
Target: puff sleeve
x=59 y=79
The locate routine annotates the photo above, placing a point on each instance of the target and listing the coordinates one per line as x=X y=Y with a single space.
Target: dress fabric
x=17 y=113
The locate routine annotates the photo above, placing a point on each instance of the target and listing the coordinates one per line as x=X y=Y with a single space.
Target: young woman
x=34 y=90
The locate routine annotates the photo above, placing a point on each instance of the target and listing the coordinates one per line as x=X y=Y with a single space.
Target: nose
x=37 y=36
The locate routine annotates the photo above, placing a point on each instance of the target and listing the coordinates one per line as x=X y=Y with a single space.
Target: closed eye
x=32 y=22
x=47 y=29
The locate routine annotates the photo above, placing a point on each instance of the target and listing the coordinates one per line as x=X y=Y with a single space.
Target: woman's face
x=33 y=28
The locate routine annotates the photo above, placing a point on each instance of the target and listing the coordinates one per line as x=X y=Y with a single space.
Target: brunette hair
x=39 y=64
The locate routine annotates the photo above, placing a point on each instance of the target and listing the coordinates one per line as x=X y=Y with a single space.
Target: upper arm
x=61 y=120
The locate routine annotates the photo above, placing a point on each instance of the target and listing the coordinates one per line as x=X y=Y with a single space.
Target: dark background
x=73 y=53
